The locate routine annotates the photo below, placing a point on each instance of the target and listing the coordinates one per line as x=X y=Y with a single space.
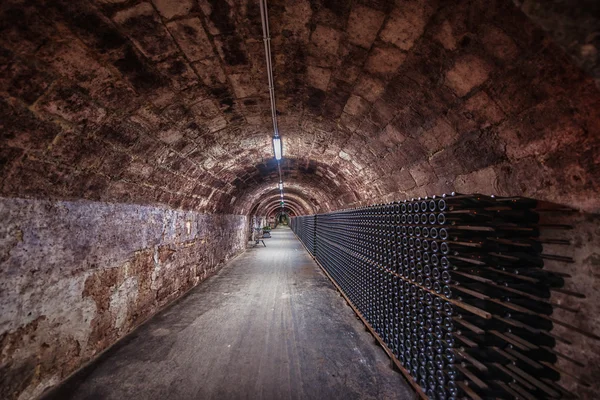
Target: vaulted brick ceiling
x=166 y=102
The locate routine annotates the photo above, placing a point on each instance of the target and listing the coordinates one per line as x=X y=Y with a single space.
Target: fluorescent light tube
x=277 y=148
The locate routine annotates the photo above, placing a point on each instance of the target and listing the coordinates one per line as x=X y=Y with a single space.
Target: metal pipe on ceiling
x=264 y=16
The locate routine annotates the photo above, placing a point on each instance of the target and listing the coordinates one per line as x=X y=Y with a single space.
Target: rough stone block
x=34 y=178
x=499 y=44
x=21 y=128
x=72 y=104
x=334 y=105
x=26 y=28
x=211 y=73
x=170 y=9
x=423 y=173
x=25 y=81
x=483 y=110
x=363 y=25
x=191 y=37
x=114 y=164
x=468 y=72
x=441 y=186
x=231 y=49
x=445 y=35
x=296 y=18
x=482 y=181
x=244 y=85
x=478 y=150
x=540 y=130
x=446 y=164
x=368 y=129
x=351 y=54
x=385 y=60
x=177 y=113
x=137 y=170
x=145 y=29
x=391 y=136
x=369 y=87
x=523 y=177
x=406 y=23
x=346 y=73
x=318 y=77
x=356 y=106
x=9 y=158
x=411 y=151
x=409 y=121
x=170 y=136
x=349 y=121
x=72 y=60
x=382 y=113
x=441 y=136
x=205 y=109
x=78 y=150
x=217 y=124
x=404 y=179
x=326 y=40
x=123 y=134
x=513 y=90
x=179 y=73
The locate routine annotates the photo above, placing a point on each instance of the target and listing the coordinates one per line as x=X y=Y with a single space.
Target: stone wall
x=77 y=276
x=574 y=25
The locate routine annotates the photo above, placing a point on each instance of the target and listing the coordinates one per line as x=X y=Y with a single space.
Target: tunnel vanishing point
x=136 y=149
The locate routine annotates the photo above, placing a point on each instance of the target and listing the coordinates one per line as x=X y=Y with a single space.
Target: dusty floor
x=269 y=326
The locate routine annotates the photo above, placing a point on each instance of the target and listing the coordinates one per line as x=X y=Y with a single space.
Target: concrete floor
x=269 y=325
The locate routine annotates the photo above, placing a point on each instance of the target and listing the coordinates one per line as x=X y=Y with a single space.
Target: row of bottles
x=455 y=287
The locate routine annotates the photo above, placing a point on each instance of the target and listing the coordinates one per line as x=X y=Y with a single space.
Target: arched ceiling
x=291 y=196
x=265 y=207
x=299 y=175
x=286 y=210
x=166 y=102
x=275 y=208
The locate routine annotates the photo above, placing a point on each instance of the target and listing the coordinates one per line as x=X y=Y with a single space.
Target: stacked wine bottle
x=454 y=286
x=304 y=227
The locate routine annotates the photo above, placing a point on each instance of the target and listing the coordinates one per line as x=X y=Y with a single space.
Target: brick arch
x=274 y=206
x=286 y=210
x=168 y=113
x=300 y=205
x=321 y=193
x=304 y=207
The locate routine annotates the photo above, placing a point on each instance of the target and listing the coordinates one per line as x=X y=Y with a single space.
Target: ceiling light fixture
x=277 y=147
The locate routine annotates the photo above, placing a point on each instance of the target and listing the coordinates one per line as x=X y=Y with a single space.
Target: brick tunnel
x=137 y=158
